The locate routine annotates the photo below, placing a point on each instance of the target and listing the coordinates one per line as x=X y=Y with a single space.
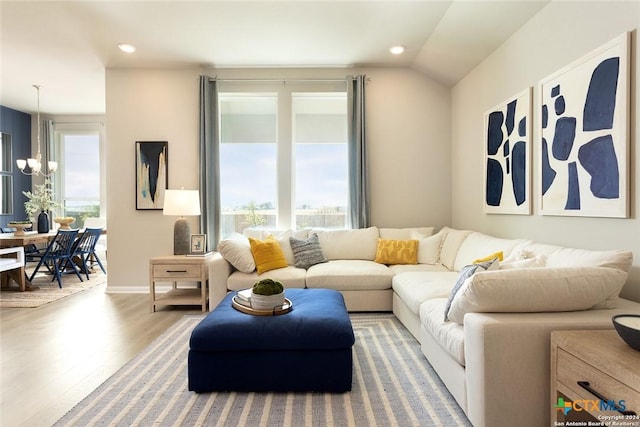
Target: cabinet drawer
x=176 y=271
x=571 y=369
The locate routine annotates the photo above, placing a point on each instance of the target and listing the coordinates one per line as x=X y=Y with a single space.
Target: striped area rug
x=393 y=385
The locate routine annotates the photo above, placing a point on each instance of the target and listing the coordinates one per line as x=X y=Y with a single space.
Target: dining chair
x=57 y=256
x=85 y=249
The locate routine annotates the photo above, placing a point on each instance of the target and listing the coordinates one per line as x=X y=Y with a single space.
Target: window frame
x=78 y=128
x=285 y=144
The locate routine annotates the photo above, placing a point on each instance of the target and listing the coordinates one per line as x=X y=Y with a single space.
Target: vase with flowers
x=40 y=200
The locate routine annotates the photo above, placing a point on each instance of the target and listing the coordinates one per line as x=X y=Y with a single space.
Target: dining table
x=8 y=240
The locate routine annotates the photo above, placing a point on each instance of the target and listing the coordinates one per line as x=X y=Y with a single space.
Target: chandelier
x=35 y=164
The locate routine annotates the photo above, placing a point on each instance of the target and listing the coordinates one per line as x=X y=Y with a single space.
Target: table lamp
x=181 y=203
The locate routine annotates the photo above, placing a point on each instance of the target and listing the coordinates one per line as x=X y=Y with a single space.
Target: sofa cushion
x=267 y=254
x=538 y=290
x=449 y=335
x=291 y=277
x=405 y=233
x=429 y=247
x=557 y=256
x=237 y=251
x=405 y=268
x=466 y=273
x=478 y=245
x=349 y=244
x=397 y=251
x=451 y=241
x=416 y=287
x=307 y=252
x=349 y=275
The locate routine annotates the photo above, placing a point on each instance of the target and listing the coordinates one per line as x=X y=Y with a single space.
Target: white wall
x=561 y=33
x=408 y=133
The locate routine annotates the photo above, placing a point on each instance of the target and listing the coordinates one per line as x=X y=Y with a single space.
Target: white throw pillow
x=428 y=247
x=536 y=262
x=538 y=290
x=237 y=251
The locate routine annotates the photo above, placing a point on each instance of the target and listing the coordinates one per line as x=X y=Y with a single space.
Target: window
x=79 y=180
x=283 y=157
x=320 y=158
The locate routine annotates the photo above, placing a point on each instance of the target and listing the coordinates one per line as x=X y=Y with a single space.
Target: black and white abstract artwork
x=584 y=135
x=507 y=156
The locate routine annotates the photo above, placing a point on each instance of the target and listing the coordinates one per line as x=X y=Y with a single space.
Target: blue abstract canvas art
x=584 y=135
x=151 y=174
x=507 y=156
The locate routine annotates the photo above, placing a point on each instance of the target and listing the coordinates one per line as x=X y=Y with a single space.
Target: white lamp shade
x=181 y=202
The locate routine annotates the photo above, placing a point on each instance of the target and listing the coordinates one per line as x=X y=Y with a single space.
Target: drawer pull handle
x=176 y=271
x=585 y=385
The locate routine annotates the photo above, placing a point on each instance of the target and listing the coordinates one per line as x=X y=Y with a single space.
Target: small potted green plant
x=267 y=294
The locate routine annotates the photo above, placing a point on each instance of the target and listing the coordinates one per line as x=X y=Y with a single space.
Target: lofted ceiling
x=65 y=46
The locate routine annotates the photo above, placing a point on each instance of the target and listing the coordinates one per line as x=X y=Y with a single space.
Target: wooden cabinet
x=595 y=377
x=175 y=269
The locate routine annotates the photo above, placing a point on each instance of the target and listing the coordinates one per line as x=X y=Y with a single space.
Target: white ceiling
x=66 y=46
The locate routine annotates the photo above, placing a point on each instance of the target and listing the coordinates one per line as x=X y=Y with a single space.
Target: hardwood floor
x=53 y=356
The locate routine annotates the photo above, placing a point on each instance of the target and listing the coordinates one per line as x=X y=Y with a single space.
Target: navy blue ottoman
x=307 y=349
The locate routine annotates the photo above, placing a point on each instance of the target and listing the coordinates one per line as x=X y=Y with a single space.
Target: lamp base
x=181 y=237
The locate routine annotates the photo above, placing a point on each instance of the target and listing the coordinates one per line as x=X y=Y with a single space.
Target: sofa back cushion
x=349 y=244
x=451 y=242
x=557 y=256
x=405 y=233
x=479 y=246
x=537 y=290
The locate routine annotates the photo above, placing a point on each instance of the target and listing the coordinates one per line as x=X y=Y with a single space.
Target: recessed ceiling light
x=127 y=48
x=397 y=50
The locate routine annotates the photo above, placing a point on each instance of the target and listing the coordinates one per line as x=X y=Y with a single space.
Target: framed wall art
x=151 y=174
x=507 y=156
x=584 y=128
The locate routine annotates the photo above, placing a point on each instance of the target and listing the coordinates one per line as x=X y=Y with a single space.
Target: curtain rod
x=279 y=80
x=78 y=123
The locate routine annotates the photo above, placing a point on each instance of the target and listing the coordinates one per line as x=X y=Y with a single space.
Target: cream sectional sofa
x=493 y=352
x=494 y=356
x=365 y=284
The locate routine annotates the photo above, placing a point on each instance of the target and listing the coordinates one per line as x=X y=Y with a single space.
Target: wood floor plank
x=51 y=357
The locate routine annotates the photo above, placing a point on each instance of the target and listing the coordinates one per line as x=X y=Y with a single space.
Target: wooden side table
x=179 y=268
x=597 y=376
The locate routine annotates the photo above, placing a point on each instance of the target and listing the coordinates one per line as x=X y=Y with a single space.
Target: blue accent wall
x=18 y=125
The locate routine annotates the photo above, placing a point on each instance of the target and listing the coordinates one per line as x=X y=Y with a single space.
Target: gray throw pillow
x=307 y=252
x=466 y=272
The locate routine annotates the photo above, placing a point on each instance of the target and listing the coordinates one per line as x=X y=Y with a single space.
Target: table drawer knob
x=585 y=385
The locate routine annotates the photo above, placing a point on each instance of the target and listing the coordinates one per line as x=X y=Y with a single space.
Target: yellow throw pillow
x=397 y=251
x=267 y=254
x=494 y=255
